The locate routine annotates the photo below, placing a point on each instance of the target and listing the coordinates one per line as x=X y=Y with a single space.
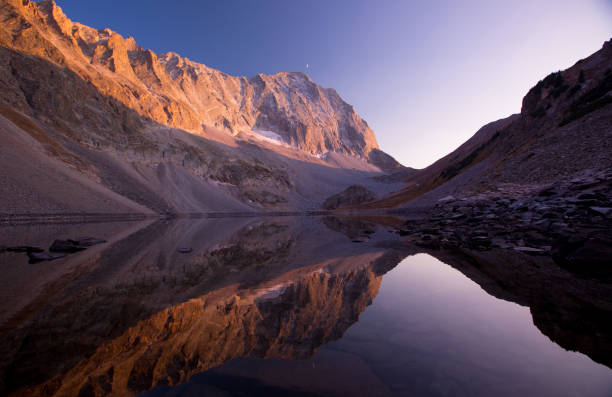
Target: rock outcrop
x=351 y=196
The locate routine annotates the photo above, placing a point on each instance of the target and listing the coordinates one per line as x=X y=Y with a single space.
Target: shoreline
x=59 y=218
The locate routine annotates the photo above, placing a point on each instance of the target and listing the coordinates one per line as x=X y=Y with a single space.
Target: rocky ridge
x=91 y=122
x=177 y=92
x=563 y=130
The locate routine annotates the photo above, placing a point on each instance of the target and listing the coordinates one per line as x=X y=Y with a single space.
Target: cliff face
x=174 y=91
x=92 y=122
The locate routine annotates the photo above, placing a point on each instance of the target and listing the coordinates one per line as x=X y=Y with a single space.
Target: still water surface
x=430 y=331
x=292 y=306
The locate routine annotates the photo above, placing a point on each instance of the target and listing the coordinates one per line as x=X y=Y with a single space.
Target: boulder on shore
x=351 y=196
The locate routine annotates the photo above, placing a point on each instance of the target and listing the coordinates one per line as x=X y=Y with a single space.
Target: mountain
x=562 y=133
x=120 y=128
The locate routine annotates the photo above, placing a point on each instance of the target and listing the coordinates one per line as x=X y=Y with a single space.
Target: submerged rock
x=86 y=241
x=67 y=246
x=36 y=257
x=24 y=248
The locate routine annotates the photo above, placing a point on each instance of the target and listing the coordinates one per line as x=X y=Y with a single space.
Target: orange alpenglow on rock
x=137 y=131
x=175 y=91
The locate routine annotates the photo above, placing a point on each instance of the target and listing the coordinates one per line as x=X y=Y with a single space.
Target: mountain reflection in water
x=277 y=306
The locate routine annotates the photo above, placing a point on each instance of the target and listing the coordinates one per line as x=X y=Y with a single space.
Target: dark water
x=293 y=306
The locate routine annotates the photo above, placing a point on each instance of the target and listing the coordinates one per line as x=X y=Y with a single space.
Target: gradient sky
x=424 y=74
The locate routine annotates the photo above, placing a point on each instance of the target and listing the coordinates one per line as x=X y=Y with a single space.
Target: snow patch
x=268 y=136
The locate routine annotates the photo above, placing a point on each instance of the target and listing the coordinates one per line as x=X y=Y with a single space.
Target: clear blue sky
x=424 y=74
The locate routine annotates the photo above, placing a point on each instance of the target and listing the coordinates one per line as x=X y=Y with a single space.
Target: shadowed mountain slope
x=563 y=130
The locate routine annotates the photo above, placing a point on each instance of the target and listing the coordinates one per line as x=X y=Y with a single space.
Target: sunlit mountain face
x=98 y=124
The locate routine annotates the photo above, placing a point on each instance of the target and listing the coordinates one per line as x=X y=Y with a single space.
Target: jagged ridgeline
x=113 y=111
x=175 y=91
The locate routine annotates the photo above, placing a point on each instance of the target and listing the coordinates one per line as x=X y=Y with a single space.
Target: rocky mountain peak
x=55 y=17
x=175 y=91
